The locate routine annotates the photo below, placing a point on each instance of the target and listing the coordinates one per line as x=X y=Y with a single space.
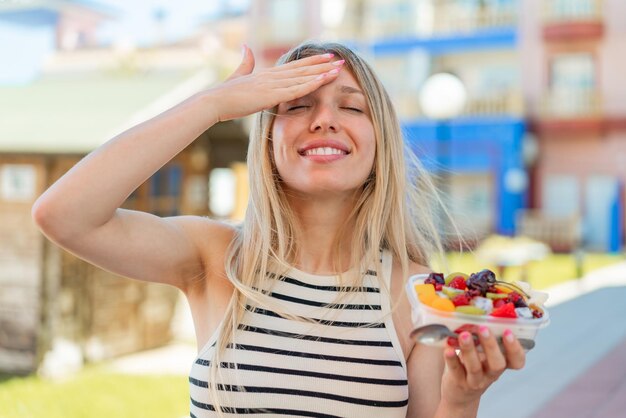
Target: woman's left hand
x=470 y=373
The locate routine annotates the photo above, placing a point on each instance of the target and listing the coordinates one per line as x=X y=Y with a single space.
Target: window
x=471 y=203
x=572 y=71
x=287 y=20
x=572 y=84
x=165 y=191
x=17 y=182
x=561 y=195
x=222 y=190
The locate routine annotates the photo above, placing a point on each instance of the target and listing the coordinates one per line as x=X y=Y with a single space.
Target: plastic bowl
x=423 y=315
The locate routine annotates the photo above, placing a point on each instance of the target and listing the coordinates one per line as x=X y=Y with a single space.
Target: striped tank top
x=348 y=363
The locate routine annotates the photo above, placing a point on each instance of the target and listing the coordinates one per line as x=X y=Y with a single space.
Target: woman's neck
x=322 y=221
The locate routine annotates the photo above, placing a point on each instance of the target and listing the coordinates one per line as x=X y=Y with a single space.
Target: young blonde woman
x=300 y=311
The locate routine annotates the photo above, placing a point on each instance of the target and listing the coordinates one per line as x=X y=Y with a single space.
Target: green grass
x=553 y=270
x=95 y=393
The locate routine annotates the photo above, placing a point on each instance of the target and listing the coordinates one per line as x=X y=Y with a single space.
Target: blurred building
x=543 y=125
x=33 y=30
x=58 y=104
x=474 y=153
x=577 y=108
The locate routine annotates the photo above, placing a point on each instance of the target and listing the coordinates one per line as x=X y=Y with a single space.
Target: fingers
x=297 y=83
x=471 y=361
x=474 y=370
x=246 y=66
x=304 y=62
x=454 y=365
x=495 y=360
x=515 y=354
x=303 y=74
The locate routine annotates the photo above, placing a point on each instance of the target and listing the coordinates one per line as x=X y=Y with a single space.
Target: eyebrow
x=350 y=90
x=343 y=89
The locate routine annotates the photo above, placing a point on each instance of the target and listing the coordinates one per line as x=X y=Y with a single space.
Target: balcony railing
x=447 y=17
x=510 y=103
x=572 y=104
x=452 y=17
x=559 y=11
x=501 y=104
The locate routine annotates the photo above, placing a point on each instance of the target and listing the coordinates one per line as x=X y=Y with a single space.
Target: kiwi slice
x=469 y=309
x=451 y=292
x=451 y=277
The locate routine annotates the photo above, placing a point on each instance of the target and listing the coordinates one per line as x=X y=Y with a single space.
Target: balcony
x=486 y=106
x=572 y=112
x=448 y=17
x=573 y=20
x=448 y=27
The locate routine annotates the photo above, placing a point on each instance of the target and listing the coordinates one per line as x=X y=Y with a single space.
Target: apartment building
x=576 y=100
x=477 y=154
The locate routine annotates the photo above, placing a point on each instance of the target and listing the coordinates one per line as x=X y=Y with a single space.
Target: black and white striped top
x=335 y=367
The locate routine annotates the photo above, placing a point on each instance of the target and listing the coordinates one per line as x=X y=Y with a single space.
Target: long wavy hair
x=394 y=210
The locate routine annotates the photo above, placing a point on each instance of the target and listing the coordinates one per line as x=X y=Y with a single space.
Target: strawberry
x=461 y=300
x=505 y=311
x=458 y=283
x=499 y=302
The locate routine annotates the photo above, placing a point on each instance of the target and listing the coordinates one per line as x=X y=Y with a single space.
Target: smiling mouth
x=324 y=151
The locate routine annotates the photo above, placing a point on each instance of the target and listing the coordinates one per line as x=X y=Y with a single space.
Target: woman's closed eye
x=296 y=107
x=353 y=109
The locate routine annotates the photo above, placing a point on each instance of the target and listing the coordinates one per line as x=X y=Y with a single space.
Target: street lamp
x=442 y=98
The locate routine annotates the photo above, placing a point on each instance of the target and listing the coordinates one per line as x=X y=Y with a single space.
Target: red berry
x=438 y=287
x=517 y=300
x=505 y=311
x=435 y=278
x=458 y=283
x=499 y=302
x=461 y=300
x=514 y=297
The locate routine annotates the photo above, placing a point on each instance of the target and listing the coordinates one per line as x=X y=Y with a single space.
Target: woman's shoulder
x=413 y=268
x=204 y=229
x=211 y=237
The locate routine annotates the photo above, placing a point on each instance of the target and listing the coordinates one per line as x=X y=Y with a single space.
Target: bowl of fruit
x=460 y=302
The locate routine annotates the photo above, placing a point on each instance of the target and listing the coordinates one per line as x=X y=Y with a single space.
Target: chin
x=322 y=190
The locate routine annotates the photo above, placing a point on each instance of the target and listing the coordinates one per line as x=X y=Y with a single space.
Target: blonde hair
x=394 y=210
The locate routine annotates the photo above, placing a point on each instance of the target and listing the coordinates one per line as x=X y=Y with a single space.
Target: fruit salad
x=480 y=294
x=463 y=302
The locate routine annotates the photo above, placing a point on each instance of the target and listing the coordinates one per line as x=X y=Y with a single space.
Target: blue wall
x=482 y=39
x=476 y=145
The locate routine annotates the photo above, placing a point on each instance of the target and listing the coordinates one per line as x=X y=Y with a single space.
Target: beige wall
x=21 y=264
x=613 y=58
x=582 y=156
x=532 y=54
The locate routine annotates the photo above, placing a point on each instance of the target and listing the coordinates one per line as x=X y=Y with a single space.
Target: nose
x=324 y=119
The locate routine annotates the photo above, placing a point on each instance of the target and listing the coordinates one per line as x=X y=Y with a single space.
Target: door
x=601 y=197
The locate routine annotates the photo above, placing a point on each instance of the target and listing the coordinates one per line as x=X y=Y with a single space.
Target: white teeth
x=324 y=151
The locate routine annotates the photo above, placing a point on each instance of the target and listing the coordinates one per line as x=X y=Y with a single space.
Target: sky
x=135 y=20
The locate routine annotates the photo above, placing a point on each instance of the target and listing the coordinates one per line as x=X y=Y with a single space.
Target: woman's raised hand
x=469 y=374
x=245 y=92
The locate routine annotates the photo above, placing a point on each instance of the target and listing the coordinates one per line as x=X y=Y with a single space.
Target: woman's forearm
x=88 y=195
